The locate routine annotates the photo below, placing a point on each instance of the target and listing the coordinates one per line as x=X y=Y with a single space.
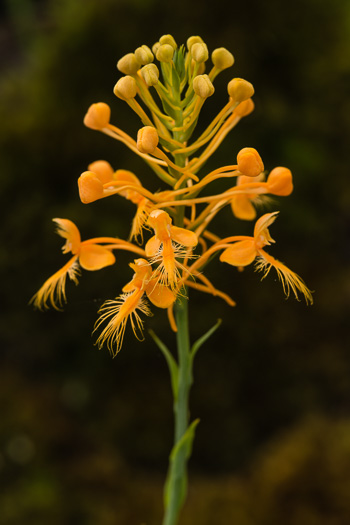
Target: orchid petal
x=152 y=246
x=183 y=236
x=94 y=257
x=241 y=253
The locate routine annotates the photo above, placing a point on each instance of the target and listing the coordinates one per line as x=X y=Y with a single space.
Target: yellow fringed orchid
x=126 y=306
x=244 y=252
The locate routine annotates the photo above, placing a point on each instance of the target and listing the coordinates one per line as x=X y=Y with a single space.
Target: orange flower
x=90 y=256
x=243 y=253
x=118 y=311
x=167 y=244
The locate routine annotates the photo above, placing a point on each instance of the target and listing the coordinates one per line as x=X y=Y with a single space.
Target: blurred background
x=84 y=439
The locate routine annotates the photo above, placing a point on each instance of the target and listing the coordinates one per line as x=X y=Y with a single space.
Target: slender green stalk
x=176 y=486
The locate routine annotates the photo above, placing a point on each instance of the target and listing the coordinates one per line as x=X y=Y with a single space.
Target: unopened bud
x=199 y=52
x=280 y=181
x=203 y=86
x=125 y=88
x=102 y=169
x=193 y=40
x=240 y=89
x=155 y=48
x=90 y=187
x=165 y=53
x=222 y=58
x=147 y=139
x=168 y=39
x=244 y=108
x=150 y=74
x=144 y=55
x=249 y=162
x=97 y=116
x=128 y=64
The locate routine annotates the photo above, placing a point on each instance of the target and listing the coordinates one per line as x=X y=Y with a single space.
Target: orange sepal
x=90 y=187
x=152 y=246
x=242 y=208
x=94 y=257
x=280 y=182
x=103 y=170
x=183 y=236
x=241 y=253
x=160 y=295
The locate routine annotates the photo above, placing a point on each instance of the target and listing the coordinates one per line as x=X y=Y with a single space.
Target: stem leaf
x=172 y=364
x=196 y=346
x=176 y=482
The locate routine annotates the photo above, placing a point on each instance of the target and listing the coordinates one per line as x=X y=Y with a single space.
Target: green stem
x=176 y=484
x=177 y=476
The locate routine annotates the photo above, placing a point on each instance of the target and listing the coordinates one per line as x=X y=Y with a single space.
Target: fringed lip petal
x=241 y=253
x=182 y=236
x=289 y=279
x=94 y=257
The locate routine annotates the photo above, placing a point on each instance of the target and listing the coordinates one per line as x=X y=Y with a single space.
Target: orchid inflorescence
x=175 y=257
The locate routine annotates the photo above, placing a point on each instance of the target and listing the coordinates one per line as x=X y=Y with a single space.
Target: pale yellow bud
x=128 y=64
x=90 y=187
x=147 y=139
x=155 y=48
x=280 y=181
x=240 y=89
x=244 y=108
x=125 y=88
x=249 y=162
x=97 y=116
x=199 y=52
x=103 y=170
x=203 y=86
x=165 y=53
x=193 y=40
x=222 y=58
x=150 y=74
x=144 y=55
x=168 y=39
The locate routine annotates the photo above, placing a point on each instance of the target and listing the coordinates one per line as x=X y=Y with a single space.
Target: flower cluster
x=168 y=98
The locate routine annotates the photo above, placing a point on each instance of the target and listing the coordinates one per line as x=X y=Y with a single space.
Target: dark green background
x=84 y=439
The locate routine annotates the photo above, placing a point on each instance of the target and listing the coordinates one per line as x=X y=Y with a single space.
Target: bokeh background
x=84 y=439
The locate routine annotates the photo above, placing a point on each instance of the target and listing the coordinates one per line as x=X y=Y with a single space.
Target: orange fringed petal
x=242 y=208
x=241 y=253
x=68 y=230
x=94 y=257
